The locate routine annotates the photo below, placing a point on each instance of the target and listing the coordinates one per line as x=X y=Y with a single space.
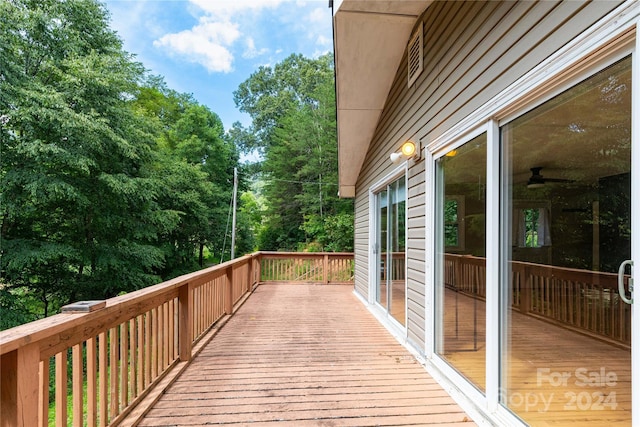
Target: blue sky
x=209 y=47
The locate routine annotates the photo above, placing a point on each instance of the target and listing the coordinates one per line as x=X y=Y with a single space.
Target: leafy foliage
x=294 y=127
x=110 y=181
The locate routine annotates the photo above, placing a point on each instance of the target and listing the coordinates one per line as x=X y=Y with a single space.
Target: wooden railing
x=120 y=357
x=397 y=269
x=583 y=300
x=306 y=267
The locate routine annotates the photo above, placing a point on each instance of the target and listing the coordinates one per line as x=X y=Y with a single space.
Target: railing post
x=185 y=322
x=457 y=275
x=258 y=276
x=249 y=268
x=20 y=387
x=228 y=292
x=325 y=269
x=525 y=290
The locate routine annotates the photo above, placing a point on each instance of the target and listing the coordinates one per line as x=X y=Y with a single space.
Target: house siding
x=472 y=51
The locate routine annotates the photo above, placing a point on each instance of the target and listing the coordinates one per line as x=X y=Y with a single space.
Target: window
x=391 y=229
x=531 y=217
x=532 y=227
x=460 y=263
x=454 y=223
x=581 y=139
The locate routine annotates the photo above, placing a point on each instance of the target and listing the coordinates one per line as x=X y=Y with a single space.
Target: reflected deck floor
x=305 y=355
x=555 y=377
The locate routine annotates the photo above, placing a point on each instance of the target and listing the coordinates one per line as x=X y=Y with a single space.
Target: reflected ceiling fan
x=538 y=181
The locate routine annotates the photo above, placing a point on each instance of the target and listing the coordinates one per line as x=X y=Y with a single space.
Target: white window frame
x=462 y=384
x=612 y=38
x=524 y=205
x=381 y=313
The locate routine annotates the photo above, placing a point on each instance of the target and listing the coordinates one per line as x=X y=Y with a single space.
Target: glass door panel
x=390 y=248
x=397 y=241
x=381 y=288
x=566 y=338
x=461 y=263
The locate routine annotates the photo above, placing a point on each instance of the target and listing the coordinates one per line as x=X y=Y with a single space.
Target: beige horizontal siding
x=472 y=51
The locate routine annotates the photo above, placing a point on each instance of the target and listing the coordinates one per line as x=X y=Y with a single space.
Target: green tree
x=78 y=215
x=294 y=128
x=195 y=165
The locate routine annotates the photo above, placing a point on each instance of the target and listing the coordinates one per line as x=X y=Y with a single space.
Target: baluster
x=77 y=381
x=92 y=390
x=61 y=388
x=102 y=368
x=43 y=394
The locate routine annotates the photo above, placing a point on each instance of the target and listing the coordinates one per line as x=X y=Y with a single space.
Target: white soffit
x=370 y=40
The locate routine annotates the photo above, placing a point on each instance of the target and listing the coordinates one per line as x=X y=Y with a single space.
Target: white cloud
x=222 y=24
x=228 y=8
x=128 y=18
x=206 y=44
x=317 y=15
x=210 y=42
x=251 y=51
x=318 y=27
x=323 y=41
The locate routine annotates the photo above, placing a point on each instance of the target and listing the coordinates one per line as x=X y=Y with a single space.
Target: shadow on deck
x=299 y=356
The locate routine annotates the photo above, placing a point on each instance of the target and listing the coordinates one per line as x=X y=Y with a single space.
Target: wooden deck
x=304 y=355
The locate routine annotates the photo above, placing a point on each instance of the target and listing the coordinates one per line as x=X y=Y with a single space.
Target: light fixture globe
x=408 y=149
x=535 y=185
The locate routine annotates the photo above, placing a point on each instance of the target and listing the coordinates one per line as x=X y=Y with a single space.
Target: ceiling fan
x=537 y=180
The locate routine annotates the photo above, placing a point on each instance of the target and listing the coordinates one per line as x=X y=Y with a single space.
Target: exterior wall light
x=408 y=150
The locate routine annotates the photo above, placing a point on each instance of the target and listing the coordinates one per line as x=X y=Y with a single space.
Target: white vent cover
x=414 y=55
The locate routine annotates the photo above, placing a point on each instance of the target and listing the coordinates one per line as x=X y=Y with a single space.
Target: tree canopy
x=292 y=107
x=111 y=181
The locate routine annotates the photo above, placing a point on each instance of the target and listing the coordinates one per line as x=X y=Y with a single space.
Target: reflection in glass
x=397 y=242
x=391 y=244
x=461 y=243
x=566 y=208
x=381 y=289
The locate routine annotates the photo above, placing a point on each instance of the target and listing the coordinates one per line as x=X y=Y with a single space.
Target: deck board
x=305 y=355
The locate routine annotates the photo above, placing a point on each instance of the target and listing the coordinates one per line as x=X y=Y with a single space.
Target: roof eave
x=370 y=39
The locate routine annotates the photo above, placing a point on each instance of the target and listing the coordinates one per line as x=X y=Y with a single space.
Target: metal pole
x=233 y=222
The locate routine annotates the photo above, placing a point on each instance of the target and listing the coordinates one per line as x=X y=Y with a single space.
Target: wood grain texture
x=304 y=355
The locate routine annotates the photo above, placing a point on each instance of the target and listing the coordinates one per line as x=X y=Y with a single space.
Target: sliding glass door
x=566 y=212
x=460 y=259
x=390 y=248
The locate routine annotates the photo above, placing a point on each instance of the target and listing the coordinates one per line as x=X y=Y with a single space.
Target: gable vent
x=414 y=55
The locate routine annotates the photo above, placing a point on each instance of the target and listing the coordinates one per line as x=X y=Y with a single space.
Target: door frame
x=613 y=37
x=374 y=267
x=635 y=228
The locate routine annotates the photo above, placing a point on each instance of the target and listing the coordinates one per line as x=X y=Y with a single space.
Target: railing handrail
x=578 y=299
x=278 y=254
x=307 y=267
x=11 y=339
x=47 y=327
x=128 y=346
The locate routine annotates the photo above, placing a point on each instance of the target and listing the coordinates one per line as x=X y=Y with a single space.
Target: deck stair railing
x=118 y=359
